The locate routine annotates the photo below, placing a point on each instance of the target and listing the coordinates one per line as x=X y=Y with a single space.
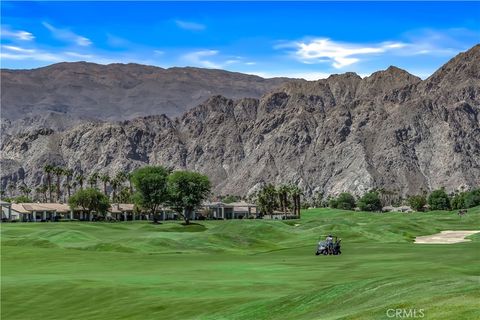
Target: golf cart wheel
x=317 y=253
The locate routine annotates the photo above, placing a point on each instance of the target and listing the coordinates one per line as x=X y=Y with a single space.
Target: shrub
x=417 y=202
x=439 y=200
x=344 y=201
x=466 y=200
x=370 y=201
x=22 y=199
x=472 y=198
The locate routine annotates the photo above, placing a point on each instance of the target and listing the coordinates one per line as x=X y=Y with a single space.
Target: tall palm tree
x=68 y=174
x=105 y=179
x=283 y=191
x=74 y=186
x=80 y=178
x=92 y=180
x=48 y=170
x=58 y=171
x=295 y=193
x=25 y=189
x=11 y=188
x=115 y=184
x=121 y=177
x=43 y=190
x=38 y=192
x=129 y=176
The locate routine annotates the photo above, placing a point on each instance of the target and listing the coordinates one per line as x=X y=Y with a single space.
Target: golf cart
x=330 y=246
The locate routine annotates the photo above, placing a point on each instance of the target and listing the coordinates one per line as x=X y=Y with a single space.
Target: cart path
x=446 y=237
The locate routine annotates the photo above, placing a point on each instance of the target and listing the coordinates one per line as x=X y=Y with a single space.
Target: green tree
x=68 y=186
x=92 y=180
x=439 y=200
x=105 y=178
x=267 y=199
x=58 y=171
x=370 y=201
x=230 y=198
x=283 y=192
x=295 y=193
x=417 y=202
x=89 y=200
x=151 y=188
x=186 y=191
x=12 y=187
x=115 y=183
x=124 y=195
x=49 y=170
x=344 y=201
x=80 y=178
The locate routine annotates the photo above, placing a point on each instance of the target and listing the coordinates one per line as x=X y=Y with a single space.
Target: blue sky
x=309 y=39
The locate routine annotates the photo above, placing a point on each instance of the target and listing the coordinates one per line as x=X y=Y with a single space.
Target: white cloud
x=158 y=52
x=189 y=25
x=67 y=35
x=17 y=49
x=17 y=53
x=16 y=34
x=199 y=59
x=339 y=54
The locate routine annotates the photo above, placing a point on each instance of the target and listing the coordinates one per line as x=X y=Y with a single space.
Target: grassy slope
x=240 y=269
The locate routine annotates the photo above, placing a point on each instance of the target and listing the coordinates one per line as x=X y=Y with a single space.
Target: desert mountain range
x=390 y=130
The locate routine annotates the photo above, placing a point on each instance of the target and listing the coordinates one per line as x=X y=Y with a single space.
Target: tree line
x=436 y=200
x=154 y=187
x=284 y=198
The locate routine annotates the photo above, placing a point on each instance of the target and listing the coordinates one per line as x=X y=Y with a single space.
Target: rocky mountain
x=390 y=130
x=84 y=91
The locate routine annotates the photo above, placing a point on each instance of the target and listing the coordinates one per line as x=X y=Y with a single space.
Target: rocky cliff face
x=390 y=130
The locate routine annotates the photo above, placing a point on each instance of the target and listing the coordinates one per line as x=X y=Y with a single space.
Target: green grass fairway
x=241 y=269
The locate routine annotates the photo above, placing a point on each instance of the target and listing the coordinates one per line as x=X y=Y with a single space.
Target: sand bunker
x=446 y=237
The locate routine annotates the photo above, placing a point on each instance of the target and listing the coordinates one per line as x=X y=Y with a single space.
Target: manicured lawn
x=240 y=269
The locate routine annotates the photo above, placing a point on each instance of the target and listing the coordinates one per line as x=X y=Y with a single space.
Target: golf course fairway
x=242 y=269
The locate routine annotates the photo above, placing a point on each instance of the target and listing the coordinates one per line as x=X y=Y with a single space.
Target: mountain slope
x=119 y=91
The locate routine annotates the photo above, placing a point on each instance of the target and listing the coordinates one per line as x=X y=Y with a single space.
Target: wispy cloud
x=68 y=35
x=189 y=25
x=339 y=54
x=201 y=59
x=5 y=32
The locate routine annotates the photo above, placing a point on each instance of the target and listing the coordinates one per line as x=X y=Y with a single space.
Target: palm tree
x=25 y=189
x=283 y=191
x=74 y=186
x=80 y=178
x=92 y=180
x=58 y=171
x=129 y=176
x=66 y=185
x=43 y=189
x=11 y=188
x=121 y=177
x=114 y=183
x=48 y=170
x=38 y=192
x=105 y=179
x=295 y=193
x=69 y=174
